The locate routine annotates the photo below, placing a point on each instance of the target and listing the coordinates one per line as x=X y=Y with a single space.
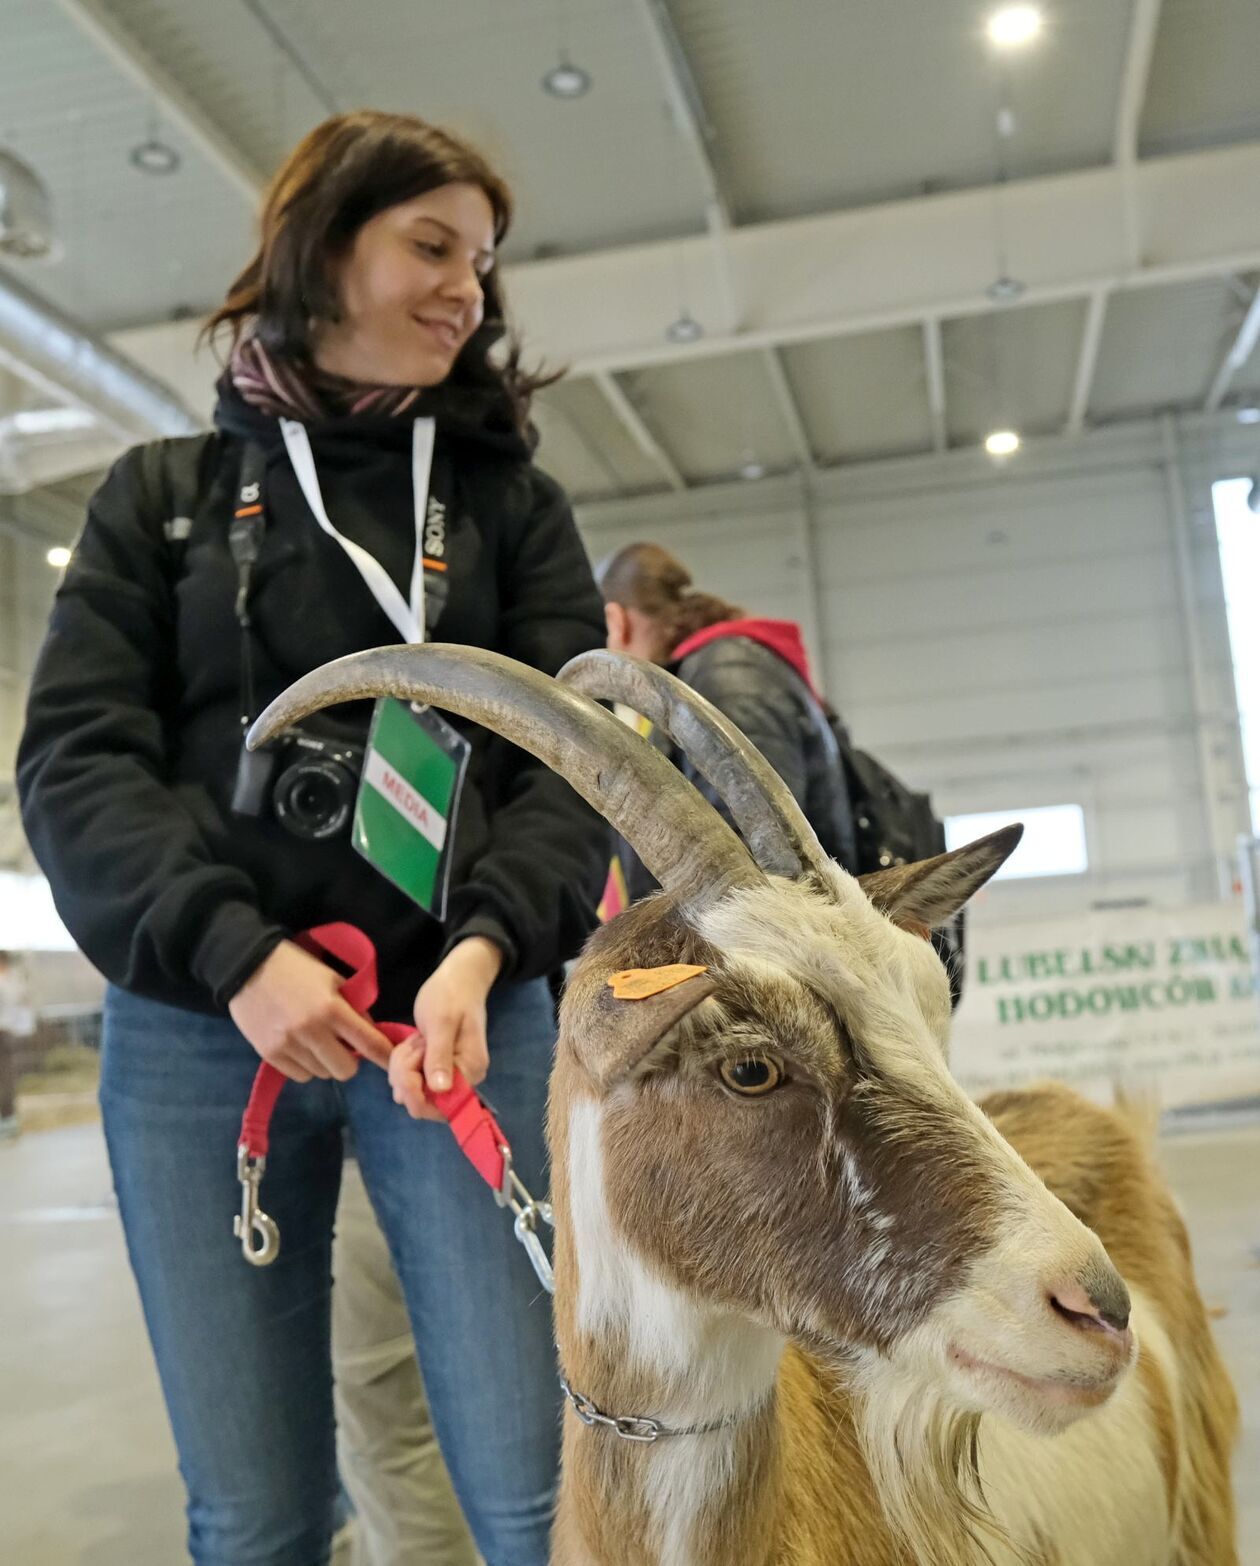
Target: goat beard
x=923 y=1456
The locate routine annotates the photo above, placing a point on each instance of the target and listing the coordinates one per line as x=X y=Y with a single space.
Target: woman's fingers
x=358 y=1032
x=407 y=1082
x=472 y=1055
x=328 y=1056
x=439 y=1052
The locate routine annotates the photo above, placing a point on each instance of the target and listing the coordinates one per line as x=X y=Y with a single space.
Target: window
x=28 y=920
x=1238 y=534
x=1053 y=842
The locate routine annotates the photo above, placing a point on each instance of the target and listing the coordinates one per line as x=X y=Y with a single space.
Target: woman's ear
x=618 y=623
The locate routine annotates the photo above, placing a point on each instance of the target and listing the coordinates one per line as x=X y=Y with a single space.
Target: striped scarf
x=282 y=391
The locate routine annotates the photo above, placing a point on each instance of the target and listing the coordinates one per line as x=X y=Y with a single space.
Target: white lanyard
x=408 y=617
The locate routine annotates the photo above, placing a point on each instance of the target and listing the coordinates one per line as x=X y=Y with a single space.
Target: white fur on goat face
x=866 y=1204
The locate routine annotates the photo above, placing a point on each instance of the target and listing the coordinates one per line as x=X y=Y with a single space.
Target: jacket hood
x=780 y=636
x=461 y=413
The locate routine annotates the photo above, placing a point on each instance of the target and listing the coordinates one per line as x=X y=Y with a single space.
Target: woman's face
x=411 y=289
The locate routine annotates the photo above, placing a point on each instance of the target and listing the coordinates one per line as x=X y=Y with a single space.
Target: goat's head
x=779 y=1137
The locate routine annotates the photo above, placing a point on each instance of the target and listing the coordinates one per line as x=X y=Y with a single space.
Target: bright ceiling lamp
x=1013 y=26
x=566 y=80
x=49 y=421
x=58 y=557
x=1001 y=443
x=684 y=328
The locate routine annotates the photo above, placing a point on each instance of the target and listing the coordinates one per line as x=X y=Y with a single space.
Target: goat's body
x=1143 y=1481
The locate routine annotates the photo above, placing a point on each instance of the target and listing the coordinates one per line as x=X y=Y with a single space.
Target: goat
x=813 y=1305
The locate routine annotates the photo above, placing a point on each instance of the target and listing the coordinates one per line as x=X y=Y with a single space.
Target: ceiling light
x=1001 y=443
x=1005 y=290
x=58 y=557
x=49 y=421
x=1248 y=414
x=26 y=231
x=1014 y=25
x=152 y=156
x=566 y=80
x=686 y=329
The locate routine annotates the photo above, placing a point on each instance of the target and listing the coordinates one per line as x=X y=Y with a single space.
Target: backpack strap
x=170 y=473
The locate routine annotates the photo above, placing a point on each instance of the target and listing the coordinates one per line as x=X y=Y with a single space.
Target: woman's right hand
x=292 y=1011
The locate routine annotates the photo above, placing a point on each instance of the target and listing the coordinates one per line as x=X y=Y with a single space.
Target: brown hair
x=338 y=177
x=648 y=578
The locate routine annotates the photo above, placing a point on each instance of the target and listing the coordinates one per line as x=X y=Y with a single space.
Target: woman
x=363 y=412
x=754 y=670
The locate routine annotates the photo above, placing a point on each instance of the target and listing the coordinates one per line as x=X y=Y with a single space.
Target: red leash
x=478 y=1133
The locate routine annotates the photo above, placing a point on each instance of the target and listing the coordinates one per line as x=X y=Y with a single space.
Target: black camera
x=307 y=782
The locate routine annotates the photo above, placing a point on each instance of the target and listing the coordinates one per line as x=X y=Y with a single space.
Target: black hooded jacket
x=128 y=759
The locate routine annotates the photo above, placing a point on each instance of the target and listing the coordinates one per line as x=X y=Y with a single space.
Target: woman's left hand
x=450 y=1017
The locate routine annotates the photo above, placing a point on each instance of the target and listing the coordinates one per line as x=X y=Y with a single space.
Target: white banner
x=1161 y=996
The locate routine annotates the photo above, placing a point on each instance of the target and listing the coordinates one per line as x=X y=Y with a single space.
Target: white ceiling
x=806 y=108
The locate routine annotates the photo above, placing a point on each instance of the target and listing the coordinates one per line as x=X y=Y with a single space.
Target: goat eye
x=750 y=1077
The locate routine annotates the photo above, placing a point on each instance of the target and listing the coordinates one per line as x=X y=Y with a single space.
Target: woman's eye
x=750 y=1077
x=434 y=252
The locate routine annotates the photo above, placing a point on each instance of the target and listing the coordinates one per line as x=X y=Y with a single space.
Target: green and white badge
x=404 y=818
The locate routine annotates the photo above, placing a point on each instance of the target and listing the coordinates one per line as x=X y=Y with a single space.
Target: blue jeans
x=243 y=1352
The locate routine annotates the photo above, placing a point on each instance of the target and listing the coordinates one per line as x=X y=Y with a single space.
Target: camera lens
x=314 y=797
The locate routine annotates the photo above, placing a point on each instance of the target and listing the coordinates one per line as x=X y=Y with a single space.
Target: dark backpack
x=895 y=825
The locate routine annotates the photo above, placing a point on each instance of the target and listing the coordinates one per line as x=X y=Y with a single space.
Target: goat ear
x=611 y=1036
x=931 y=891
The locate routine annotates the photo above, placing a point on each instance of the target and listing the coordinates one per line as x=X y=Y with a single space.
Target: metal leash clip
x=513 y=1195
x=258 y=1233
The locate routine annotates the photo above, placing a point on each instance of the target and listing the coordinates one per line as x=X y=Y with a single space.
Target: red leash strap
x=478 y=1133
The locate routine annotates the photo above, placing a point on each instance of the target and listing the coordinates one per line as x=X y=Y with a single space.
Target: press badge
x=404 y=817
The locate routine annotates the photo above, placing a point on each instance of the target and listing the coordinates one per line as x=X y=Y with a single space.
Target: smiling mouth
x=1067 y=1391
x=447 y=336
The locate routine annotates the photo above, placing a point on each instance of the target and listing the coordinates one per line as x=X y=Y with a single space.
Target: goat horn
x=763 y=807
x=674 y=830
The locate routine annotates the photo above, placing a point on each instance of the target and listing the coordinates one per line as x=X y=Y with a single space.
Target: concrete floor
x=87 y=1468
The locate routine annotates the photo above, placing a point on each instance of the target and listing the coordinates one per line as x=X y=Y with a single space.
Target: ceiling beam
x=1143 y=26
x=1236 y=355
x=1087 y=360
x=789 y=408
x=129 y=54
x=934 y=370
x=633 y=421
x=687 y=112
x=856 y=271
x=901 y=263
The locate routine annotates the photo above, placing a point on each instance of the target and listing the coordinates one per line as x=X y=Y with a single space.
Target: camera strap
x=407 y=614
x=244 y=541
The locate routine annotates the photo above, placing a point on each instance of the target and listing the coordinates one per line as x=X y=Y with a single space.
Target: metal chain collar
x=633 y=1427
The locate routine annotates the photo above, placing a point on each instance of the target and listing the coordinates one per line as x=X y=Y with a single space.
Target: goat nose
x=1098 y=1301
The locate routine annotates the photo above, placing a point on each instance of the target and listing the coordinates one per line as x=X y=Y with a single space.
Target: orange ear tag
x=640 y=983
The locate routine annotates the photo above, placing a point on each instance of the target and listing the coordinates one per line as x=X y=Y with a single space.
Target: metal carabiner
x=525 y=1229
x=513 y=1195
x=258 y=1233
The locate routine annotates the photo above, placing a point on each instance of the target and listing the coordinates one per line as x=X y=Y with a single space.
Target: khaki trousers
x=407 y=1514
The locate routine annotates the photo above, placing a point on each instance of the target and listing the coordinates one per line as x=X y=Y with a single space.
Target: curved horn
x=763 y=807
x=674 y=830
